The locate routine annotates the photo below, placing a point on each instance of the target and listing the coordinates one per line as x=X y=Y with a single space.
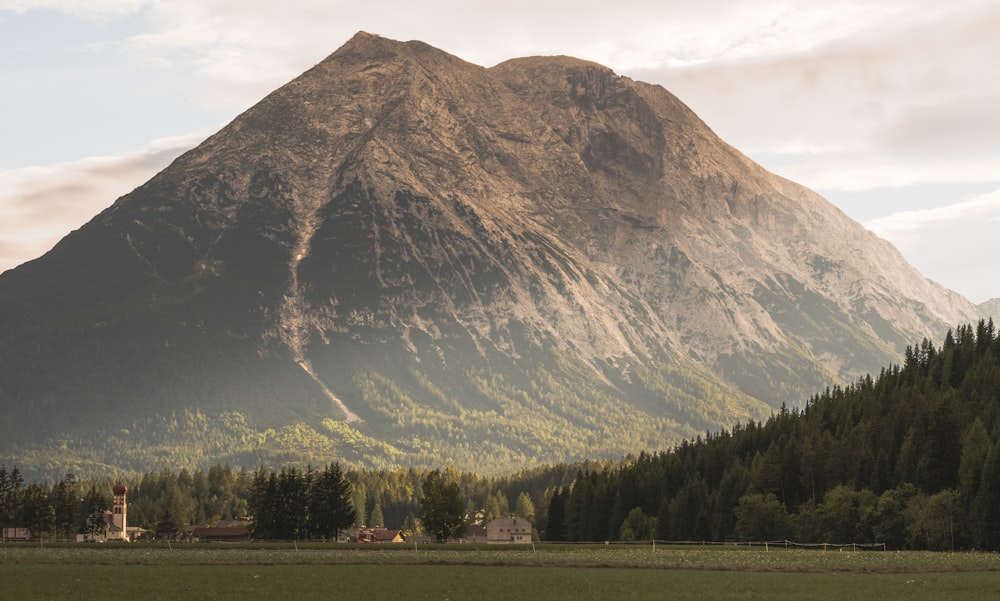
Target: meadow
x=551 y=572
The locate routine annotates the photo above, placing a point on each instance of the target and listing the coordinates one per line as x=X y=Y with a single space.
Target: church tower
x=119 y=511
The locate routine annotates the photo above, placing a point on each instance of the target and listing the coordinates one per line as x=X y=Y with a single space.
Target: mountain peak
x=373 y=47
x=363 y=42
x=549 y=63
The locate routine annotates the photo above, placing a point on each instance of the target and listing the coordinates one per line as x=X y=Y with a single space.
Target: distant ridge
x=990 y=307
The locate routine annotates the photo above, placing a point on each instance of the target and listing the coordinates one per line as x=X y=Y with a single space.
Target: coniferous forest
x=909 y=458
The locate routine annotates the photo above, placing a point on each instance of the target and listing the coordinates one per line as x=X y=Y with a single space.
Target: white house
x=508 y=531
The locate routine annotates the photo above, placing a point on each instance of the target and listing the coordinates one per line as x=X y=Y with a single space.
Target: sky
x=888 y=108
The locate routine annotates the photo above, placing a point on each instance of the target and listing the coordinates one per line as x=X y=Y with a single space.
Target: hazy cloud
x=911 y=101
x=251 y=46
x=86 y=10
x=39 y=205
x=954 y=245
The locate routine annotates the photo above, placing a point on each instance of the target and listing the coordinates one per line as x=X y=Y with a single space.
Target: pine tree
x=555 y=529
x=442 y=510
x=11 y=496
x=330 y=508
x=94 y=506
x=65 y=500
x=524 y=508
x=376 y=519
x=497 y=506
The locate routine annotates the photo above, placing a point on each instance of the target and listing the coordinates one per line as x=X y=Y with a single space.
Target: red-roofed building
x=380 y=535
x=207 y=534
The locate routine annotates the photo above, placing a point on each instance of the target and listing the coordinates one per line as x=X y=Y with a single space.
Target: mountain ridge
x=404 y=257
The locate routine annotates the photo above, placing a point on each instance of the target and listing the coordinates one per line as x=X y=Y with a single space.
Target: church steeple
x=119 y=512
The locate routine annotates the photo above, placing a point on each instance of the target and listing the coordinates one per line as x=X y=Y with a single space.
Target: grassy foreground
x=580 y=573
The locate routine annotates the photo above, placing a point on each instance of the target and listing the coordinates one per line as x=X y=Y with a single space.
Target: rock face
x=990 y=307
x=403 y=258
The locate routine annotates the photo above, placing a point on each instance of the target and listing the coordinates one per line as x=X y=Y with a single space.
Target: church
x=116 y=520
x=117 y=526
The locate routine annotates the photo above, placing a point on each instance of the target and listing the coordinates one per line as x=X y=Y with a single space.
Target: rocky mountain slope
x=990 y=307
x=403 y=258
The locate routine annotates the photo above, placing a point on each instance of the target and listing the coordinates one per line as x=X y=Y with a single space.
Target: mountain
x=990 y=307
x=401 y=258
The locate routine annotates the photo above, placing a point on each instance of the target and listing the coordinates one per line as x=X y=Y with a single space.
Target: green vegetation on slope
x=908 y=459
x=474 y=412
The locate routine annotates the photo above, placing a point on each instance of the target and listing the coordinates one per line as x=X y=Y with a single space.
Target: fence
x=767 y=545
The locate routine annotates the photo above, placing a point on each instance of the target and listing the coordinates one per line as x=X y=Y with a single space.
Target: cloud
x=910 y=228
x=953 y=245
x=962 y=127
x=39 y=205
x=898 y=102
x=249 y=47
x=91 y=9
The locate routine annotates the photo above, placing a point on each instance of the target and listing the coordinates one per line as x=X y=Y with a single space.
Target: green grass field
x=580 y=573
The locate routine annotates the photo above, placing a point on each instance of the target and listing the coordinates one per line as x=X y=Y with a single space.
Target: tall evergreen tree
x=65 y=501
x=38 y=513
x=93 y=508
x=330 y=506
x=524 y=508
x=11 y=496
x=555 y=529
x=442 y=510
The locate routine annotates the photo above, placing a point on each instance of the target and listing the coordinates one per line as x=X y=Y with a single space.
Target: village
x=113 y=526
x=498 y=531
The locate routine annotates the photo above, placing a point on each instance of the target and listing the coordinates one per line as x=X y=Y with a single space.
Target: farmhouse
x=206 y=534
x=508 y=531
x=7 y=534
x=379 y=535
x=475 y=534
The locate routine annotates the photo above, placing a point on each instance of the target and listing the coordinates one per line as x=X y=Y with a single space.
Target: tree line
x=908 y=458
x=63 y=509
x=300 y=504
x=291 y=503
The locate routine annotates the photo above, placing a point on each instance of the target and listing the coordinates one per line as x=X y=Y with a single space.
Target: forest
x=908 y=458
